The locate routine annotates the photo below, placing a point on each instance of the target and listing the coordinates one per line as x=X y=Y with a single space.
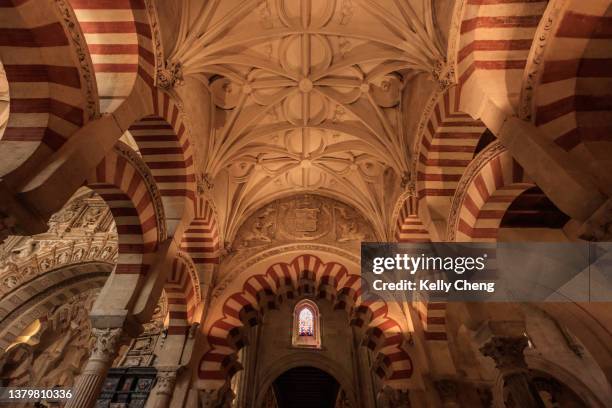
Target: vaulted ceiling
x=307 y=96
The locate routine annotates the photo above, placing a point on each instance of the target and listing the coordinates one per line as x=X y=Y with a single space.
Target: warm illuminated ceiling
x=308 y=97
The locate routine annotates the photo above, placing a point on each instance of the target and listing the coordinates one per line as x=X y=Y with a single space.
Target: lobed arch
x=486 y=190
x=249 y=296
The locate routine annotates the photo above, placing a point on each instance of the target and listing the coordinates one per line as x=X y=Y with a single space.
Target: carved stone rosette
x=507 y=352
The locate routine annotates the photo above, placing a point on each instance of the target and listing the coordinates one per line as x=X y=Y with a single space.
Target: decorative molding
x=193 y=275
x=537 y=54
x=82 y=231
x=435 y=96
x=158 y=48
x=397 y=208
x=130 y=155
x=79 y=45
x=473 y=169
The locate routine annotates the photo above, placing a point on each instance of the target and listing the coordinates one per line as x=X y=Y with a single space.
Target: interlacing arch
x=305 y=275
x=488 y=187
x=127 y=187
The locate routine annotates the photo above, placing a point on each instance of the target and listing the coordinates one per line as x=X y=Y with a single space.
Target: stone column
x=89 y=384
x=507 y=352
x=164 y=387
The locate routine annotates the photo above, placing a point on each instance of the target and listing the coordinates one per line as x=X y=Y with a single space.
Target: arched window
x=306 y=326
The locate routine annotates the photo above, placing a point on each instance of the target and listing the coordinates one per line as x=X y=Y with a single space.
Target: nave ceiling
x=308 y=97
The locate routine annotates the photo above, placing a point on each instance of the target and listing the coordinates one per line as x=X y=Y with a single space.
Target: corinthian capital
x=106 y=342
x=166 y=379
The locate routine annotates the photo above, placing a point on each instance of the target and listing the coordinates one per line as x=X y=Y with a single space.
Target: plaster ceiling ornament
x=307 y=97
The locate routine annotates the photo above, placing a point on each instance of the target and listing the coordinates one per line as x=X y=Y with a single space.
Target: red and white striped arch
x=164 y=144
x=331 y=280
x=446 y=147
x=432 y=315
x=201 y=238
x=494 y=42
x=183 y=292
x=409 y=227
x=572 y=102
x=134 y=201
x=47 y=102
x=491 y=183
x=119 y=38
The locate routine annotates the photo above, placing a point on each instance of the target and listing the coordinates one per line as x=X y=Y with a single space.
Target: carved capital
x=106 y=343
x=204 y=183
x=170 y=75
x=166 y=379
x=507 y=352
x=444 y=73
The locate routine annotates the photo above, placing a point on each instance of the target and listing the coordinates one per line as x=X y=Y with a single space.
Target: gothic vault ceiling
x=307 y=97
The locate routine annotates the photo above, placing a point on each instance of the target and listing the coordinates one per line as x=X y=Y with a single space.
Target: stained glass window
x=306 y=323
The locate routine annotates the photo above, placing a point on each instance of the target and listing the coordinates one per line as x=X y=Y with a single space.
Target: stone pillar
x=507 y=352
x=89 y=383
x=164 y=387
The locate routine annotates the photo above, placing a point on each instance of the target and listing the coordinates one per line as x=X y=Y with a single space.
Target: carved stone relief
x=55 y=354
x=84 y=230
x=303 y=218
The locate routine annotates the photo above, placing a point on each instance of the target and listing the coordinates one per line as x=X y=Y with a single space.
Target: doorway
x=305 y=387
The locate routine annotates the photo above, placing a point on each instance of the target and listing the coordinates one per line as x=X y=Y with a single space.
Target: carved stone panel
x=303 y=218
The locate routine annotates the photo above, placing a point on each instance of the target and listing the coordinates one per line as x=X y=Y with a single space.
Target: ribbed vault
x=307 y=97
